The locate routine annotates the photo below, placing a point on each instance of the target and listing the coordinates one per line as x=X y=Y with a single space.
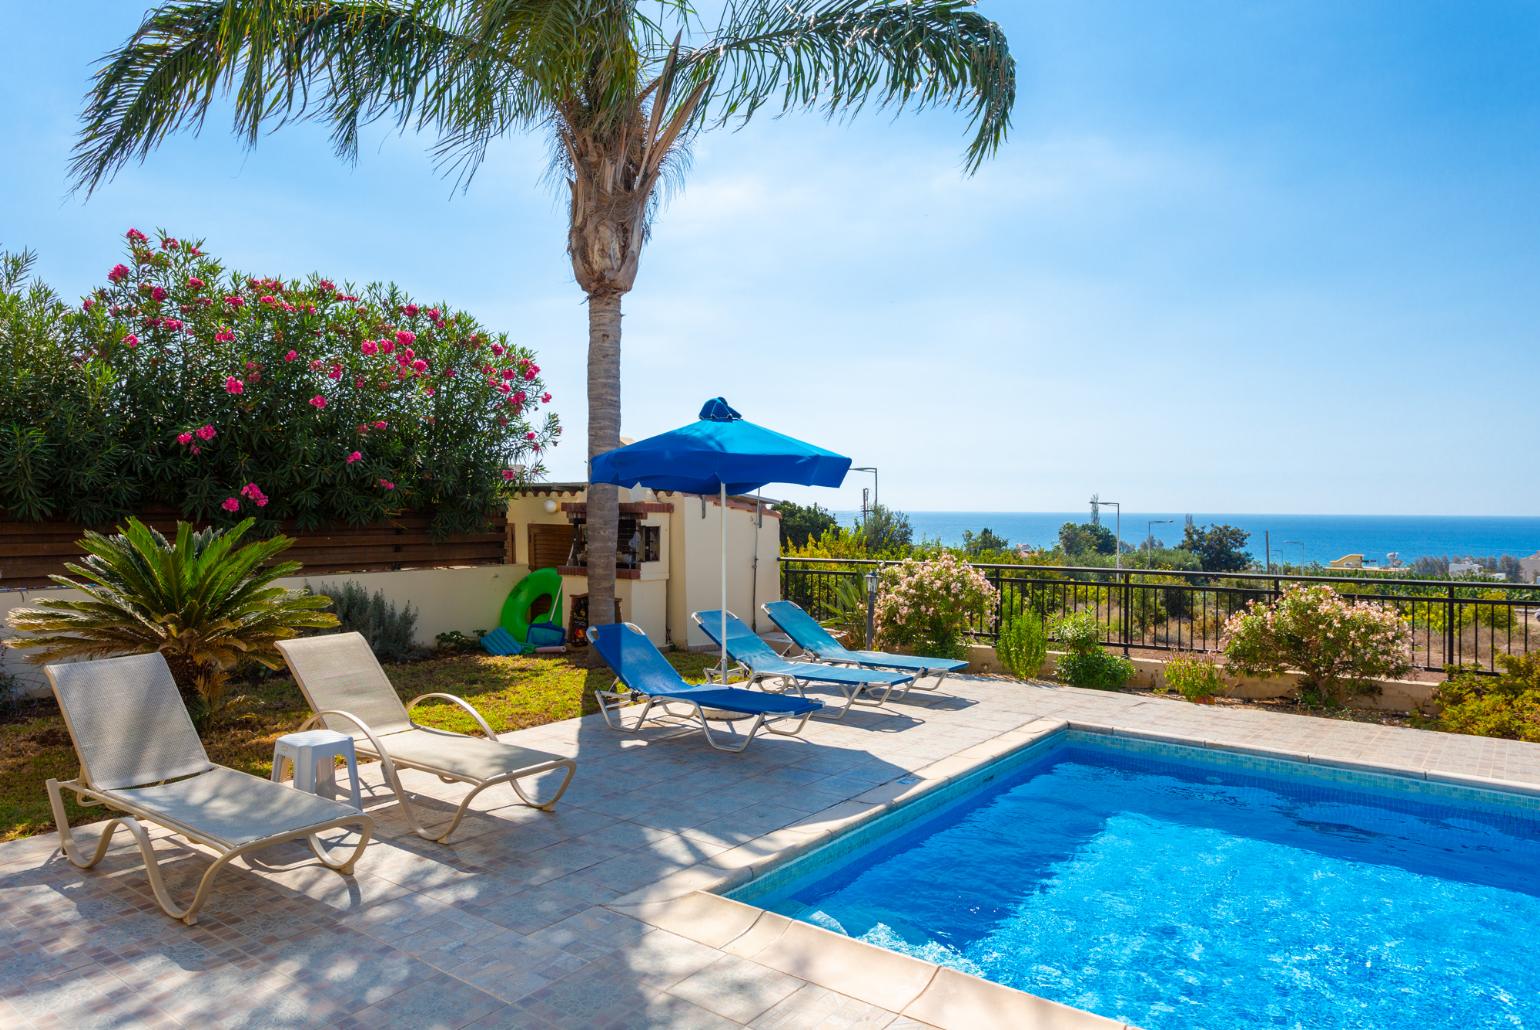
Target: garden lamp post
x=871 y=608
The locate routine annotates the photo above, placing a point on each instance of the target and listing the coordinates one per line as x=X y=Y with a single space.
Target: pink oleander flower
x=405 y=337
x=87 y=304
x=224 y=335
x=434 y=314
x=380 y=425
x=205 y=432
x=172 y=324
x=236 y=302
x=291 y=355
x=355 y=456
x=387 y=484
x=386 y=346
x=267 y=299
x=318 y=402
x=508 y=474
x=519 y=396
x=509 y=373
x=334 y=373
x=194 y=282
x=419 y=365
x=136 y=236
x=234 y=386
x=410 y=311
x=504 y=388
x=358 y=382
x=315 y=364
x=531 y=372
x=231 y=504
x=131 y=341
x=326 y=286
x=429 y=391
x=529 y=436
x=497 y=349
x=545 y=398
x=369 y=347
x=450 y=373
x=118 y=273
x=169 y=243
x=196 y=449
x=184 y=438
x=157 y=293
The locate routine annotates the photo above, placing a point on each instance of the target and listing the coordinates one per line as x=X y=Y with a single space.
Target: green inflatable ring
x=540 y=583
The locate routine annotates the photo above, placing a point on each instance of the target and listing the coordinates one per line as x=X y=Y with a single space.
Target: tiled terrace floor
x=531 y=919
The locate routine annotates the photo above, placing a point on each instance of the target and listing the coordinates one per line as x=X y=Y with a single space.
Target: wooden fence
x=32 y=551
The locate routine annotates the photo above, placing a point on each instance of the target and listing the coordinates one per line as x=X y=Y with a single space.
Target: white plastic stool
x=312 y=754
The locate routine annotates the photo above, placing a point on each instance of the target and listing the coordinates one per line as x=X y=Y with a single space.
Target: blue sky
x=1275 y=257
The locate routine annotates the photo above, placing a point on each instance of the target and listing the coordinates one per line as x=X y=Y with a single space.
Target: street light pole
x=1149 y=535
x=1096 y=503
x=873 y=470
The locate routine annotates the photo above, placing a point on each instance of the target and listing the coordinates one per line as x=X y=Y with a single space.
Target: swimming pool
x=1172 y=886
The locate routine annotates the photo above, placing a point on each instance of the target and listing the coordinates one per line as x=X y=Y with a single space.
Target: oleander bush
x=926 y=607
x=179 y=383
x=1505 y=705
x=1338 y=647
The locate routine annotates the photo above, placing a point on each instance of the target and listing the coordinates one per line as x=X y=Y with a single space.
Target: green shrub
x=1086 y=664
x=1022 y=645
x=1101 y=670
x=1195 y=676
x=389 y=630
x=454 y=642
x=1506 y=705
x=1338 y=647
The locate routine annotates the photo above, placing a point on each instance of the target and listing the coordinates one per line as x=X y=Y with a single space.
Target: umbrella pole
x=723 y=488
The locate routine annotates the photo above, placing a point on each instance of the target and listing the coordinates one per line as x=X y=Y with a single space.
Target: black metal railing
x=1463 y=622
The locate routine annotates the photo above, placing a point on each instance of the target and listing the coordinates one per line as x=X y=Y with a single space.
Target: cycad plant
x=205 y=603
x=620 y=86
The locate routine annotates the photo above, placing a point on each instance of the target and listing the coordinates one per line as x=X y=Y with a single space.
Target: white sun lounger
x=349 y=692
x=140 y=756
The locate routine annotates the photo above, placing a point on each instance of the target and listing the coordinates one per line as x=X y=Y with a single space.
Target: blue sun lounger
x=642 y=669
x=860 y=686
x=807 y=634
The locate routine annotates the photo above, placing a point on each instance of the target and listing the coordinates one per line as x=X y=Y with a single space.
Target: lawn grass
x=511 y=693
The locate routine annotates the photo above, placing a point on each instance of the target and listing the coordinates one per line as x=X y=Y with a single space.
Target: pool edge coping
x=691 y=904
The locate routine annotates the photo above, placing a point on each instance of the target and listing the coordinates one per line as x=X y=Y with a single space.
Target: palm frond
x=841 y=55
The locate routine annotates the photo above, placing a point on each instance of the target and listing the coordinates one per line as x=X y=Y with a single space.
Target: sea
x=1294 y=539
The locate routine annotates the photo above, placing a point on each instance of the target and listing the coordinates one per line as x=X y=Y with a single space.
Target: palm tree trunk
x=603 y=519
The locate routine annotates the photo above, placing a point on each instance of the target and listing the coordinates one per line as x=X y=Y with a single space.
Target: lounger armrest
x=319 y=719
x=414 y=702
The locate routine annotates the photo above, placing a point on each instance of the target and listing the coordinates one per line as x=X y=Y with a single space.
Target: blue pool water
x=1181 y=887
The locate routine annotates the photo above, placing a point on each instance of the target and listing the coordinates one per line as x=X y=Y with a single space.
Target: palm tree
x=619 y=94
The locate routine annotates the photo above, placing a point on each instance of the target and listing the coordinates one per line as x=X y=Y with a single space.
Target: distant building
x=1529 y=568
x=1468 y=569
x=1348 y=561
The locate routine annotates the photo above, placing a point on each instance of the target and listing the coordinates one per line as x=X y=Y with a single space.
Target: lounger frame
x=376 y=745
x=696 y=716
x=132 y=818
x=375 y=748
x=860 y=661
x=852 y=691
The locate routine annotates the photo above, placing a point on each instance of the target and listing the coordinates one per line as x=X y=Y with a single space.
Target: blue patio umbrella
x=718 y=453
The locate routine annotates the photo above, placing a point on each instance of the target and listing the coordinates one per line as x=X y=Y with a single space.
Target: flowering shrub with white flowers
x=179 y=383
x=925 y=607
x=1338 y=647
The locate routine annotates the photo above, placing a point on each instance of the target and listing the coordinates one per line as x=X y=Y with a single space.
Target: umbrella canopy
x=718 y=453
x=719 y=450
